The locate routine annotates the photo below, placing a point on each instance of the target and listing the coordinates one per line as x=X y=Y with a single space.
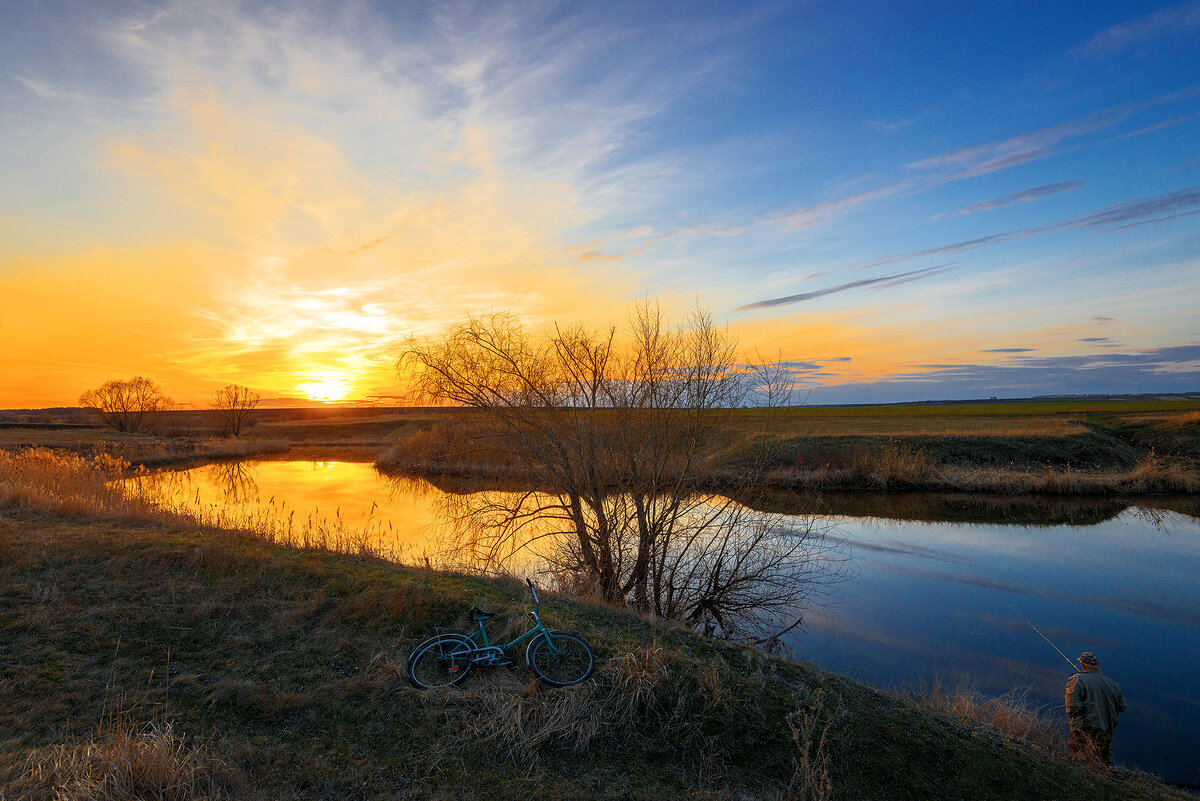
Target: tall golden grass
x=121 y=763
x=1011 y=713
x=101 y=486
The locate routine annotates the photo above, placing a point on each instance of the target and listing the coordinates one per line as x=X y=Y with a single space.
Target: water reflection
x=234 y=480
x=931 y=601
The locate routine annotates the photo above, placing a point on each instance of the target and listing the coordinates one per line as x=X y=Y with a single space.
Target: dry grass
x=897 y=468
x=140 y=448
x=811 y=775
x=818 y=425
x=121 y=763
x=289 y=667
x=649 y=695
x=464 y=447
x=102 y=487
x=1010 y=714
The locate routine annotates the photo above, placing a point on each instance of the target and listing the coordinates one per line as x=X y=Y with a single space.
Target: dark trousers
x=1090 y=743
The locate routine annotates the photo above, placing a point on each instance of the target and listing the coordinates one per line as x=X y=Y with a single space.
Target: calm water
x=930 y=601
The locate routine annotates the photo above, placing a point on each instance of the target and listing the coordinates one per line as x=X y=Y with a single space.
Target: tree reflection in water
x=235 y=480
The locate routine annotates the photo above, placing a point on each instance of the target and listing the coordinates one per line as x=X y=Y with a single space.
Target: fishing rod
x=1044 y=637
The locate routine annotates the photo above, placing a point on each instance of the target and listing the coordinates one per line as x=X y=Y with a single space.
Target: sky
x=902 y=201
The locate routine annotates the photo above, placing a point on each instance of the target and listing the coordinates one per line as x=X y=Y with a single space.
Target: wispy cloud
x=819 y=213
x=1024 y=196
x=1176 y=21
x=1159 y=208
x=991 y=156
x=1008 y=350
x=1167 y=369
x=879 y=281
x=891 y=128
x=1156 y=127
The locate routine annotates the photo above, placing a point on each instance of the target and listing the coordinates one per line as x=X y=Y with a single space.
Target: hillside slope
x=281 y=670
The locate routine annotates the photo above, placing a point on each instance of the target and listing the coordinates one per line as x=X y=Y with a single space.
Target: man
x=1094 y=702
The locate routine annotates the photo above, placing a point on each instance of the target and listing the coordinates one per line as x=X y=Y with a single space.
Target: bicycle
x=445 y=659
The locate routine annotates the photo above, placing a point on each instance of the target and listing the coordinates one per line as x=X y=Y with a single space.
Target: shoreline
x=280 y=670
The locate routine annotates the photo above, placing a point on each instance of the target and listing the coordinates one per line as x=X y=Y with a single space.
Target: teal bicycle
x=556 y=658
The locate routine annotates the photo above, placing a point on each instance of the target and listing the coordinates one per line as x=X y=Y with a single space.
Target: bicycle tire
x=430 y=666
x=572 y=665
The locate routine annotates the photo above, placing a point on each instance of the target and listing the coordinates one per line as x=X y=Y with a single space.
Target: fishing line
x=1044 y=637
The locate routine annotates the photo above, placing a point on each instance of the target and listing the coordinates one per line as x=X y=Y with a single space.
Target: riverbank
x=1098 y=448
x=277 y=672
x=1094 y=454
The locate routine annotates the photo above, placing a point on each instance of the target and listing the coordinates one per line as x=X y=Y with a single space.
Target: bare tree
x=126 y=405
x=235 y=405
x=623 y=433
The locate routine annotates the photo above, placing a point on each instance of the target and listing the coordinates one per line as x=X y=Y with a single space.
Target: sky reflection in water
x=930 y=601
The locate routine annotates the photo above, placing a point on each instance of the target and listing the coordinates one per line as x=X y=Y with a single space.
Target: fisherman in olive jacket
x=1094 y=702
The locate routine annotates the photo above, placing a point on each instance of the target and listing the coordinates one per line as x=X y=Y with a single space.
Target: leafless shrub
x=234 y=407
x=619 y=435
x=126 y=405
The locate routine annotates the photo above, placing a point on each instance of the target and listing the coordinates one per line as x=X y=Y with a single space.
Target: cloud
x=991 y=156
x=1024 y=196
x=1094 y=339
x=891 y=128
x=1156 y=209
x=1171 y=369
x=1176 y=21
x=595 y=255
x=1156 y=127
x=820 y=213
x=1008 y=350
x=882 y=281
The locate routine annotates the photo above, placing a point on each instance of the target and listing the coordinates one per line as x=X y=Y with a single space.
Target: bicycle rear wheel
x=560 y=659
x=440 y=662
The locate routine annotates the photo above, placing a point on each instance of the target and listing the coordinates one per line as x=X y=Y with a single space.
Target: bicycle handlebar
x=532 y=589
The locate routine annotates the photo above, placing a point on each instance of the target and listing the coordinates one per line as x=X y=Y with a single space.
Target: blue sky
x=907 y=201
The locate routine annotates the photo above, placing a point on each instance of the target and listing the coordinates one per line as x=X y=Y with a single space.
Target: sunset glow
x=902 y=207
x=326 y=389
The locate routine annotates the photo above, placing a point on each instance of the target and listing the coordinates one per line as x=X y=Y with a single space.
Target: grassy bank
x=1086 y=452
x=139 y=449
x=144 y=650
x=249 y=670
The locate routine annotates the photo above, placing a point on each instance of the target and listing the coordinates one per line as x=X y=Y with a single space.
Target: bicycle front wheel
x=561 y=659
x=440 y=662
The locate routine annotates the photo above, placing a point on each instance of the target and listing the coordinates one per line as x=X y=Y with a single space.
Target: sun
x=326 y=388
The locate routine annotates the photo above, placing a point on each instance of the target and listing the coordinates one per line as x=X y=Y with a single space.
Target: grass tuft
x=1011 y=714
x=124 y=764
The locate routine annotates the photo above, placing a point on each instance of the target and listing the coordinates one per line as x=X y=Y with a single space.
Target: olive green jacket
x=1095 y=700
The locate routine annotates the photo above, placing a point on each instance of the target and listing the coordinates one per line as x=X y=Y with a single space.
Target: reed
x=102 y=486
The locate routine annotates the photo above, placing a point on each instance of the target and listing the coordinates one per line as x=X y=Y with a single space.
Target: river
x=936 y=599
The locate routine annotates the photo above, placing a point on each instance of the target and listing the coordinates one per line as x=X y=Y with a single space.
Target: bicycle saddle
x=478 y=614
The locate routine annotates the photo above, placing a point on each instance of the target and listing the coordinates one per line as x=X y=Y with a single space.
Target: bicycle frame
x=481 y=644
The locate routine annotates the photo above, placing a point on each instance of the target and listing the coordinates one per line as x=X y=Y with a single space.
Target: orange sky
x=206 y=194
